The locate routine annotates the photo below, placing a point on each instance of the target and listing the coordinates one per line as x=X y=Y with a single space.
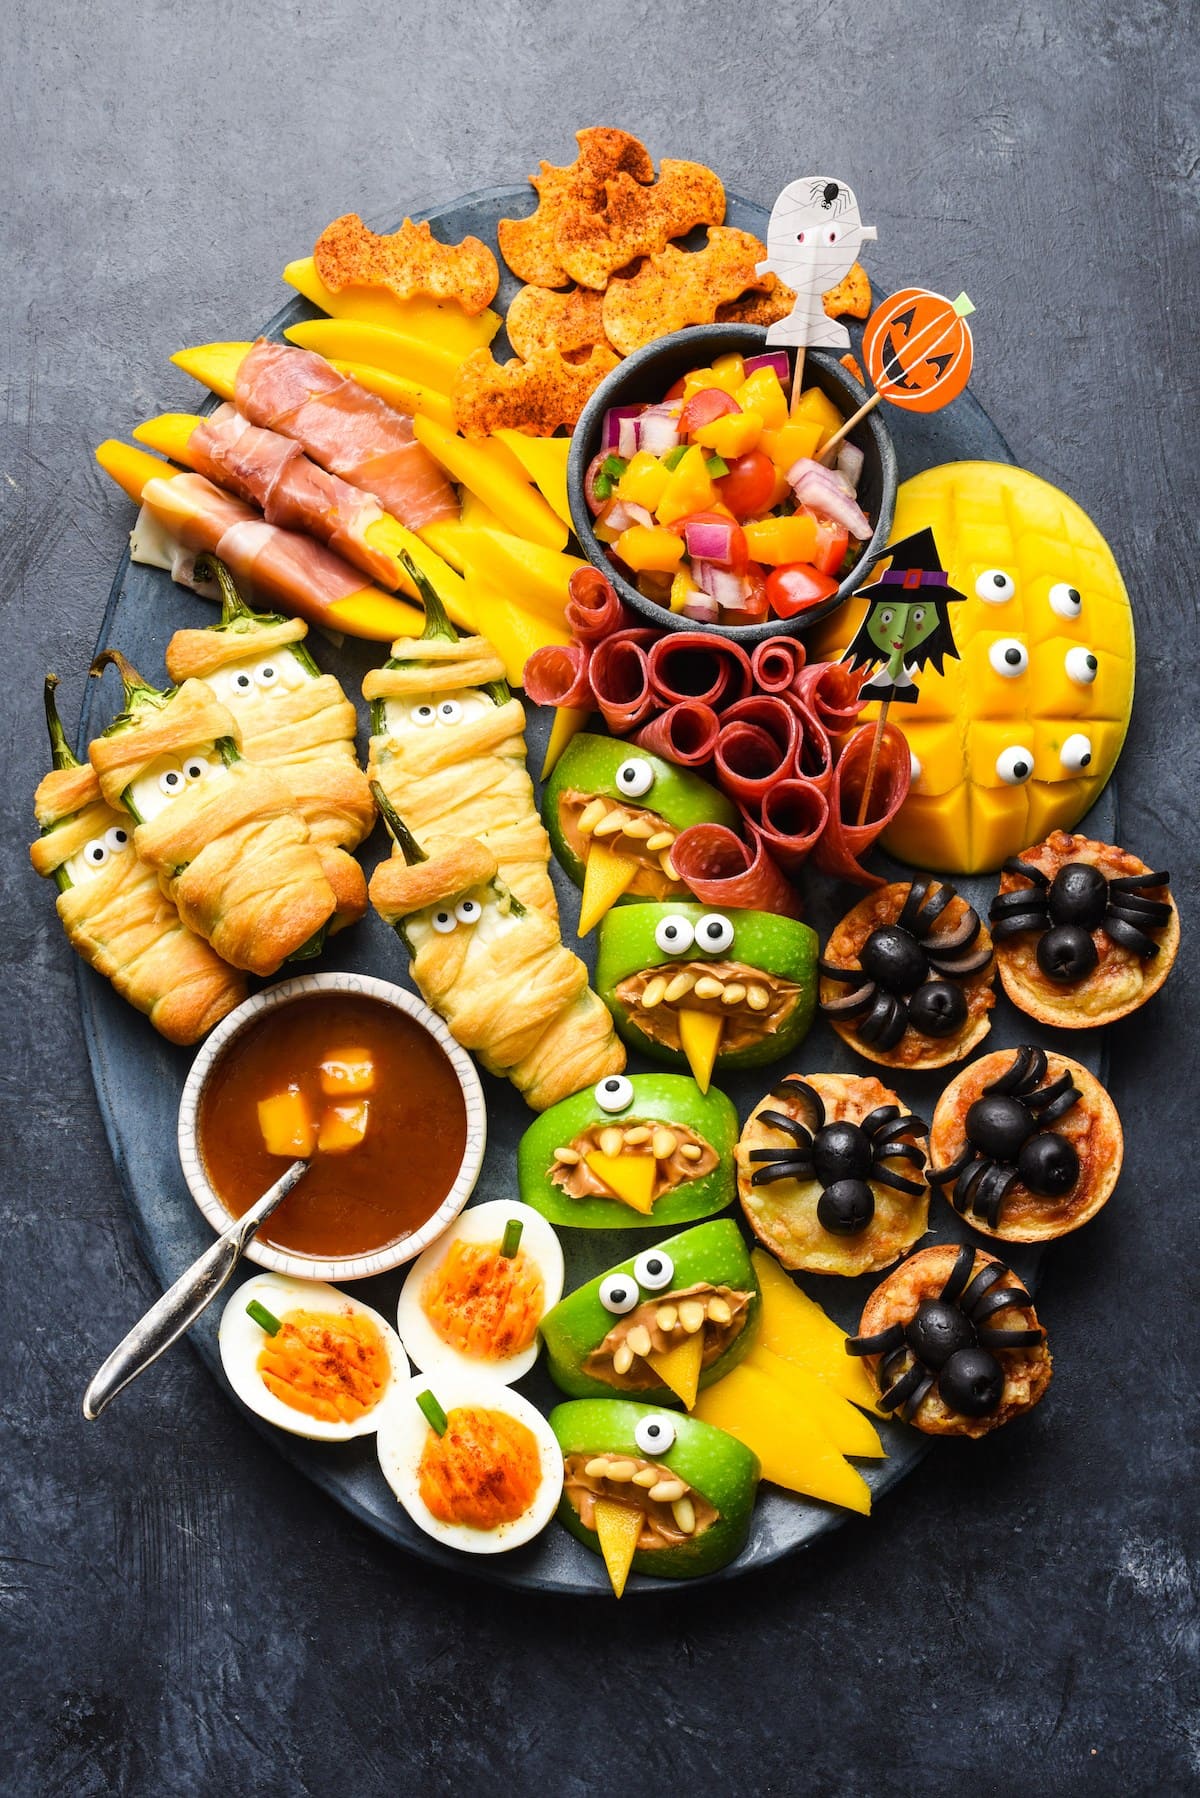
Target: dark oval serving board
x=139 y=1077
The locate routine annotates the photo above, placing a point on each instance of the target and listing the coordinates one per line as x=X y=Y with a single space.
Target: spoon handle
x=180 y=1306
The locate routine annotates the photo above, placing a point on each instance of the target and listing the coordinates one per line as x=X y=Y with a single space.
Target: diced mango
x=683 y=591
x=287 y=1124
x=726 y=378
x=644 y=481
x=779 y=540
x=795 y=1328
x=761 y=393
x=343 y=1126
x=731 y=367
x=732 y=435
x=650 y=549
x=689 y=488
x=348 y=1070
x=815 y=405
x=544 y=460
x=798 y=438
x=795 y=1452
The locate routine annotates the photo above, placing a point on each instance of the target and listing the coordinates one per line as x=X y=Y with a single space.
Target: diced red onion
x=825 y=492
x=657 y=432
x=850 y=463
x=726 y=588
x=710 y=540
x=776 y=359
x=621 y=513
x=610 y=435
x=628 y=436
x=703 y=608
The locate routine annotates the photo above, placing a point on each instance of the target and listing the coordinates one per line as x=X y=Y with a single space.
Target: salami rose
x=685 y=733
x=722 y=871
x=593 y=610
x=620 y=676
x=557 y=674
x=793 y=814
x=758 y=746
x=776 y=663
x=829 y=690
x=699 y=665
x=844 y=840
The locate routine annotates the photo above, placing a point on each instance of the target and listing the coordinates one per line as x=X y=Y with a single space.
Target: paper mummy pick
x=813 y=239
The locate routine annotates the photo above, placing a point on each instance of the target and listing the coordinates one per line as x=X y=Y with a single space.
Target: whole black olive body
x=1048 y=1164
x=998 y=1125
x=1078 y=895
x=938 y=1008
x=841 y=1152
x=894 y=959
x=972 y=1382
x=846 y=1207
x=938 y=1331
x=1066 y=953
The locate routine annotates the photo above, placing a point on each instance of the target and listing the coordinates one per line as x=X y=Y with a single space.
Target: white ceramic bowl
x=353 y=1267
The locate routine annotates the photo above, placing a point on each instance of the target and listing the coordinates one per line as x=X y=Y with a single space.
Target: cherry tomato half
x=833 y=540
x=749 y=486
x=795 y=586
x=703 y=407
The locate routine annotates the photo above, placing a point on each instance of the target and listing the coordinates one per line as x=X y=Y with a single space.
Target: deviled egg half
x=309 y=1358
x=474 y=1464
x=472 y=1303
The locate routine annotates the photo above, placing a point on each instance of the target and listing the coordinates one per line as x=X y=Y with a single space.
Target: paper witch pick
x=813 y=239
x=907 y=624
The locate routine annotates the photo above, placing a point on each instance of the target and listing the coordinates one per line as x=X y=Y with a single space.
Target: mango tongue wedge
x=568 y=719
x=618 y=1527
x=700 y=1039
x=679 y=1367
x=606 y=876
x=629 y=1177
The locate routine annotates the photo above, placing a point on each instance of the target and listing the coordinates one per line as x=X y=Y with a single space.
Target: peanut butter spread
x=629 y=830
x=672 y=1511
x=752 y=1004
x=678 y=1153
x=663 y=1322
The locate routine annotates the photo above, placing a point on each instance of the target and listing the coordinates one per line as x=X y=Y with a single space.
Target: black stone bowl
x=645 y=377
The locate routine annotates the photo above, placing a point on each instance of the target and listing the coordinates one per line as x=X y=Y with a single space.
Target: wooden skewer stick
x=797 y=378
x=873 y=759
x=845 y=430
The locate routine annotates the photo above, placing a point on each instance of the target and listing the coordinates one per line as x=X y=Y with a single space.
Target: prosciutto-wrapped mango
x=291 y=718
x=112 y=908
x=448 y=749
x=223 y=834
x=495 y=969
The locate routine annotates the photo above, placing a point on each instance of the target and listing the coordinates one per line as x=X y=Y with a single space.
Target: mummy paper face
x=813 y=240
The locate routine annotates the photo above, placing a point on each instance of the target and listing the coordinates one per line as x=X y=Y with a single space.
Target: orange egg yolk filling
x=482 y=1303
x=330 y=1367
x=483 y=1472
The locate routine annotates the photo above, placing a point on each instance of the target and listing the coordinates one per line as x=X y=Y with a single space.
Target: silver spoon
x=180 y=1306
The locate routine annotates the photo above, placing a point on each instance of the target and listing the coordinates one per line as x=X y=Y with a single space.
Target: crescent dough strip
x=120 y=921
x=506 y=985
x=231 y=850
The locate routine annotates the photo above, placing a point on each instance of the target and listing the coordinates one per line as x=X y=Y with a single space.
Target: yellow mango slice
x=409 y=397
x=629 y=1177
x=618 y=1527
x=513 y=632
x=606 y=875
x=679 y=1367
x=346 y=1071
x=343 y=1127
x=214 y=365
x=443 y=322
x=537 y=576
x=795 y=1452
x=795 y=1328
x=520 y=510
x=544 y=460
x=392 y=351
x=287 y=1124
x=809 y=1396
x=168 y=434
x=130 y=468
x=700 y=1039
x=568 y=720
x=475 y=516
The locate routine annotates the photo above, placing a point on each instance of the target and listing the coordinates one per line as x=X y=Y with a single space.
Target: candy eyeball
x=241 y=682
x=1066 y=600
x=116 y=839
x=635 y=777
x=96 y=852
x=1076 y=753
x=674 y=935
x=1009 y=657
x=653 y=1270
x=995 y=586
x=619 y=1294
x=468 y=911
x=714 y=933
x=171 y=782
x=655 y=1435
x=450 y=711
x=423 y=716
x=267 y=673
x=1082 y=666
x=615 y=1094
x=196 y=767
x=1014 y=765
x=444 y=921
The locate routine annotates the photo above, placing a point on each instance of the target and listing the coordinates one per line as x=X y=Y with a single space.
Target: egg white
x=241 y=1342
x=481 y=1223
x=403 y=1432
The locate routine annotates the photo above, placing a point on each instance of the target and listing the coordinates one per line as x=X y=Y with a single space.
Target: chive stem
x=266 y=1320
x=432 y=1412
x=511 y=1240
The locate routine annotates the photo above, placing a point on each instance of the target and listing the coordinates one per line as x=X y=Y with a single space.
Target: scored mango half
x=613 y=812
x=662 y=1325
x=731 y=989
x=1018 y=734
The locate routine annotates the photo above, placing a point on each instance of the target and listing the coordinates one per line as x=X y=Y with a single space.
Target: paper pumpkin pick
x=813 y=240
x=918 y=349
x=907 y=624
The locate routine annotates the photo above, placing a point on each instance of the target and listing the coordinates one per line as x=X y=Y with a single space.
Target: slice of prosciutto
x=274 y=474
x=345 y=429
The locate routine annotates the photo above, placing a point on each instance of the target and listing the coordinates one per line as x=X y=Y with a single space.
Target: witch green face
x=898 y=627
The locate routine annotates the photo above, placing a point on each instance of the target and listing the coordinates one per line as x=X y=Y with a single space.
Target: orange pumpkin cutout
x=918 y=349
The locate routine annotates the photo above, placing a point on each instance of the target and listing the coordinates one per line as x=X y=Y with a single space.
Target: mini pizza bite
x=709 y=989
x=907 y=976
x=1027 y=1145
x=952 y=1342
x=634 y=1152
x=1085 y=933
x=831 y=1174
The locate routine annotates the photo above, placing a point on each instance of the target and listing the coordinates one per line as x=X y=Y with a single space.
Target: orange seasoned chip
x=541 y=319
x=760 y=306
x=851 y=298
x=408 y=262
x=679 y=287
x=528 y=245
x=853 y=366
x=535 y=396
x=636 y=220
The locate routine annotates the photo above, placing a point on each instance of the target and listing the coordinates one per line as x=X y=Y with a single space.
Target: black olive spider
x=946 y=1344
x=905 y=977
x=1068 y=908
x=841 y=1156
x=1008 y=1140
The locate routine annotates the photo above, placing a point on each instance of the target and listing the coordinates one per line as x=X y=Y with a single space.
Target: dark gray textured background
x=180 y=1613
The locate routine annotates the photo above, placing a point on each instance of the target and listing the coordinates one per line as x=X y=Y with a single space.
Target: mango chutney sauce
x=357 y=1200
